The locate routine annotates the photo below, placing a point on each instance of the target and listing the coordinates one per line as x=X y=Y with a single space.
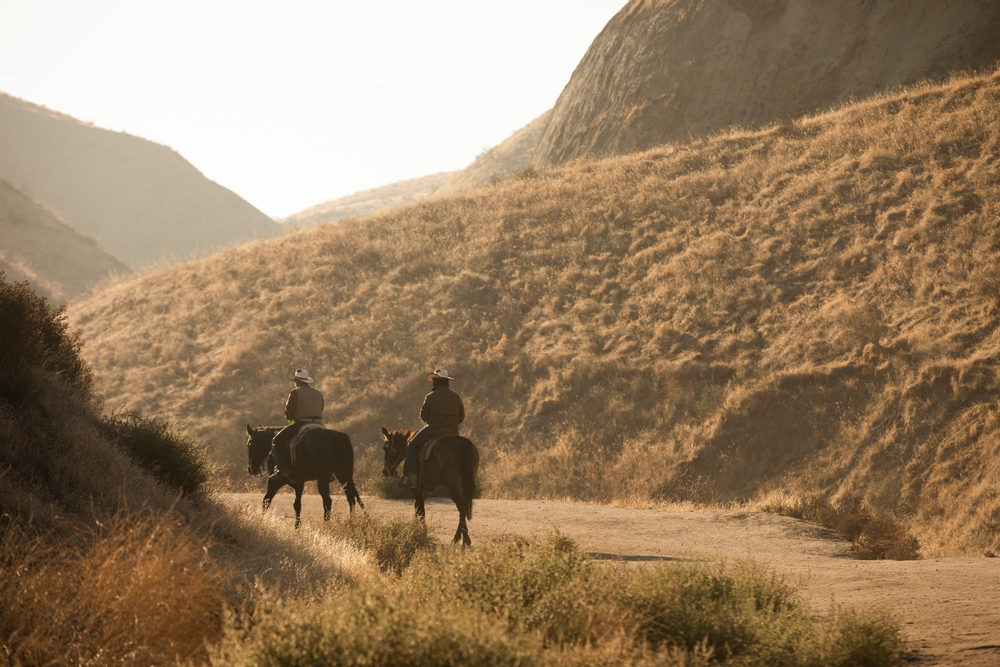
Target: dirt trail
x=948 y=607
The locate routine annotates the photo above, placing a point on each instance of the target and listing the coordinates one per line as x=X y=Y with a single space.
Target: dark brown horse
x=322 y=455
x=453 y=464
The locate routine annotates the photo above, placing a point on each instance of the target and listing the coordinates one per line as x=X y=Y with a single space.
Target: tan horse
x=453 y=462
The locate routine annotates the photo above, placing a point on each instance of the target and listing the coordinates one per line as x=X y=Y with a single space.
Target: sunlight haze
x=293 y=105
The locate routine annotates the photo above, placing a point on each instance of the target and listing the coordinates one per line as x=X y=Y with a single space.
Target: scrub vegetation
x=105 y=558
x=812 y=307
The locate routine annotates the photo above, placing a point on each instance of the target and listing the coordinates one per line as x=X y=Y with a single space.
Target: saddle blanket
x=440 y=434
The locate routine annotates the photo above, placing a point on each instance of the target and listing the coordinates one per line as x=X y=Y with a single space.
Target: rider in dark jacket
x=442 y=410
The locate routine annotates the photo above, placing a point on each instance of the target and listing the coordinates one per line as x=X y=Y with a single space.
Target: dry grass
x=807 y=307
x=137 y=590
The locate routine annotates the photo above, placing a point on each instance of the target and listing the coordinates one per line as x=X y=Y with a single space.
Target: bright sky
x=294 y=103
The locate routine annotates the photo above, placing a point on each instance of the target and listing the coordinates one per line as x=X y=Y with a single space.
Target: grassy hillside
x=101 y=562
x=510 y=156
x=361 y=204
x=142 y=201
x=37 y=246
x=812 y=306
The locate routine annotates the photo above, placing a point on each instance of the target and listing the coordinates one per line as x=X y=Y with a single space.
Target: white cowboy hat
x=302 y=375
x=439 y=373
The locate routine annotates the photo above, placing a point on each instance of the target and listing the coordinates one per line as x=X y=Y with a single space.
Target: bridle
x=393 y=455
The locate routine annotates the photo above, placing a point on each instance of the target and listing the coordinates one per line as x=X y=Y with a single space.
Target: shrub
x=34 y=334
x=873 y=535
x=368 y=626
x=136 y=590
x=392 y=541
x=545 y=602
x=160 y=448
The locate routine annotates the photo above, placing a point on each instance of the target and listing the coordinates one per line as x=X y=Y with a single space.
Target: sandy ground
x=949 y=608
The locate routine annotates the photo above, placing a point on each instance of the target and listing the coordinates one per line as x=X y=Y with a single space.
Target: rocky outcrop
x=142 y=201
x=664 y=70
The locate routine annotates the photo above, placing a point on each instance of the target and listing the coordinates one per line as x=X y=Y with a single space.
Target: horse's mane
x=405 y=432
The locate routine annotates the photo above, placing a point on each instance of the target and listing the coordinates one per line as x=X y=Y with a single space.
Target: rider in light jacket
x=304 y=405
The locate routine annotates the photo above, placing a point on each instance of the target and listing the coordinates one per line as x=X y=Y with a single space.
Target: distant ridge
x=60 y=263
x=364 y=203
x=667 y=70
x=508 y=157
x=142 y=201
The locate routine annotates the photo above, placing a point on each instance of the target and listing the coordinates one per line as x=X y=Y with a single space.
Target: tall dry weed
x=136 y=590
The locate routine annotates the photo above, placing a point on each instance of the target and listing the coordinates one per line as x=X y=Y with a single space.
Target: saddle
x=439 y=434
x=293 y=445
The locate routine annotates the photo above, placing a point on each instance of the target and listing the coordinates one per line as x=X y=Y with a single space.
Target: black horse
x=453 y=464
x=322 y=455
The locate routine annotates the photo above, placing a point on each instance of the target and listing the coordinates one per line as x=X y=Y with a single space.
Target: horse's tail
x=468 y=463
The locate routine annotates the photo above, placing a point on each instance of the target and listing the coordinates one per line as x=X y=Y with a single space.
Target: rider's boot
x=409 y=480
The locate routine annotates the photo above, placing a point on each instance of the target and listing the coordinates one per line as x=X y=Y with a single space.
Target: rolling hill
x=506 y=158
x=143 y=202
x=367 y=202
x=667 y=70
x=37 y=246
x=812 y=306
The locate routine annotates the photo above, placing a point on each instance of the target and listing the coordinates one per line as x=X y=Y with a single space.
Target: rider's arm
x=425 y=411
x=461 y=411
x=290 y=406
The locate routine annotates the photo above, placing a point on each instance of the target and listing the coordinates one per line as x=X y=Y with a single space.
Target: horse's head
x=258 y=447
x=394 y=448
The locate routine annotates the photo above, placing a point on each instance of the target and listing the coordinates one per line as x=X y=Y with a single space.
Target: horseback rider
x=304 y=405
x=442 y=410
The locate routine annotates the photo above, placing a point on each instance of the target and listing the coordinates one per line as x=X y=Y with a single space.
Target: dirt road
x=949 y=607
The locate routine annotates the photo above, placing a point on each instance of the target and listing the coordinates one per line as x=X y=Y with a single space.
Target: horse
x=321 y=455
x=453 y=464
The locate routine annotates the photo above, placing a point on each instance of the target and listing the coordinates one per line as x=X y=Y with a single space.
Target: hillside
x=812 y=306
x=367 y=202
x=508 y=157
x=667 y=70
x=39 y=247
x=142 y=201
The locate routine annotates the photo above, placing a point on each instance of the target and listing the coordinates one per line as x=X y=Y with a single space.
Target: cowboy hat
x=440 y=374
x=302 y=375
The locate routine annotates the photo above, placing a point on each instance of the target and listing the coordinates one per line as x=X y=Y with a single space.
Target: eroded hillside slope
x=142 y=201
x=811 y=306
x=39 y=247
x=667 y=70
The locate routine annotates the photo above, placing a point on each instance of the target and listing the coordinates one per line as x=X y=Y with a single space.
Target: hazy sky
x=291 y=104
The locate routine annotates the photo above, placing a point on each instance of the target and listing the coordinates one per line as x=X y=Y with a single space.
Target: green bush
x=34 y=334
x=160 y=448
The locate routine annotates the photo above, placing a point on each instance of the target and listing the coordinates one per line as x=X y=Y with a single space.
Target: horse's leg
x=273 y=485
x=324 y=491
x=463 y=531
x=421 y=496
x=345 y=477
x=298 y=502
